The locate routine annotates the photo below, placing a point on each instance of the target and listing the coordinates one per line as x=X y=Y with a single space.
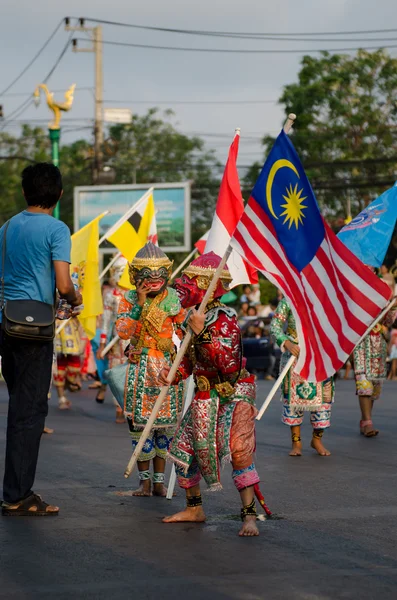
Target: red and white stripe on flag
x=335 y=298
x=200 y=244
x=228 y=211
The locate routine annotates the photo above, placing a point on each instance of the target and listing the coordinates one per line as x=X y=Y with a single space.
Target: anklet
x=158 y=478
x=295 y=438
x=318 y=433
x=144 y=475
x=250 y=510
x=193 y=501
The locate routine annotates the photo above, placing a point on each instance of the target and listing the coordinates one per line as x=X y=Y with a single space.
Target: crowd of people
x=132 y=354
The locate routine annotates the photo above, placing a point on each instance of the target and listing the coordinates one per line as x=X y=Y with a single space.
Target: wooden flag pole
x=181 y=352
x=183 y=263
x=110 y=265
x=287 y=128
x=292 y=358
x=187 y=402
x=275 y=387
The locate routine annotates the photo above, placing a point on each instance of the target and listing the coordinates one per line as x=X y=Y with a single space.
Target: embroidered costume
x=219 y=424
x=298 y=394
x=111 y=300
x=149 y=330
x=68 y=349
x=370 y=358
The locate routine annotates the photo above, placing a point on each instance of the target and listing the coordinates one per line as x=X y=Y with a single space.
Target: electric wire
x=36 y=56
x=234 y=33
x=243 y=50
x=27 y=103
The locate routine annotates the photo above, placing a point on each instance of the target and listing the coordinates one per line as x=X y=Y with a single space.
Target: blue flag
x=283 y=191
x=368 y=235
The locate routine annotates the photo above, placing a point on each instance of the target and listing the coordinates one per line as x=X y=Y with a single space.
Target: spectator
x=387 y=277
x=37 y=259
x=255 y=295
x=246 y=293
x=393 y=352
x=243 y=313
x=268 y=310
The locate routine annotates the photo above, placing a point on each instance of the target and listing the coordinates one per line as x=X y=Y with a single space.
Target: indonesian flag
x=200 y=244
x=228 y=212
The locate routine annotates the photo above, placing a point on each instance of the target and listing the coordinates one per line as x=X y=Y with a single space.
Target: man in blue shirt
x=36 y=262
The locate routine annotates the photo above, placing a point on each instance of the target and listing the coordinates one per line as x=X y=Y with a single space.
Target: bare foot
x=249 y=528
x=64 y=403
x=159 y=489
x=48 y=430
x=119 y=416
x=145 y=489
x=317 y=445
x=193 y=514
x=296 y=449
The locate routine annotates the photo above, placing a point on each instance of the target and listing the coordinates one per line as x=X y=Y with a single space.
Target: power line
x=20 y=109
x=191 y=101
x=242 y=51
x=234 y=33
x=44 y=46
x=15 y=94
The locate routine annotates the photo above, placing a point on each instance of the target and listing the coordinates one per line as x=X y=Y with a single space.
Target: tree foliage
x=346 y=127
x=149 y=150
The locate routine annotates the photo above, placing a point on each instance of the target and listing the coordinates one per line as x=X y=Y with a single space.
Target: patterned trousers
x=293 y=416
x=157 y=443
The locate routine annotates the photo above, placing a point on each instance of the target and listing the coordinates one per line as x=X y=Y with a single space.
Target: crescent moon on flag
x=279 y=164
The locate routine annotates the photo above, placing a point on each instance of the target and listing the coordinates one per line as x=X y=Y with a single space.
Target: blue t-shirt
x=34 y=241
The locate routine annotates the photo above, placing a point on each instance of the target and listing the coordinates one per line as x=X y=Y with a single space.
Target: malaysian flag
x=333 y=295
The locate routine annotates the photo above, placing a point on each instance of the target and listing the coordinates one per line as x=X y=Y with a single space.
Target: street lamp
x=54 y=128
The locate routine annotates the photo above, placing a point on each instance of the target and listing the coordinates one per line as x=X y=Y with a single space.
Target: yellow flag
x=85 y=262
x=134 y=233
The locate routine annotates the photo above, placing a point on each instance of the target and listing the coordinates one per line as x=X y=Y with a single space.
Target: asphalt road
x=335 y=536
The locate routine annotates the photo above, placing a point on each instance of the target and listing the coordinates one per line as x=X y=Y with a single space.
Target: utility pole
x=97 y=48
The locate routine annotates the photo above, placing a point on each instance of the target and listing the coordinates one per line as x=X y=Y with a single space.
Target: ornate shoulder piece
x=171 y=303
x=213 y=314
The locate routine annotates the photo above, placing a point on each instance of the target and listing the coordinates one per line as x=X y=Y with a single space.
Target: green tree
x=345 y=131
x=15 y=154
x=151 y=150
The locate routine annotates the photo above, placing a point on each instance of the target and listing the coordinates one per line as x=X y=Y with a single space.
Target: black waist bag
x=26 y=319
x=29 y=320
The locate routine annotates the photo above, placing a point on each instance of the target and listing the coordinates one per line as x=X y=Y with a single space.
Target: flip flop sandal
x=368 y=423
x=33 y=506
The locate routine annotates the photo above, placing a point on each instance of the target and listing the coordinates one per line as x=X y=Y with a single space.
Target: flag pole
x=181 y=352
x=187 y=402
x=122 y=218
x=289 y=364
x=183 y=263
x=110 y=265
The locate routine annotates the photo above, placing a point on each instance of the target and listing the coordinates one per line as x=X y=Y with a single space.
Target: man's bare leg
x=249 y=528
x=317 y=443
x=296 y=441
x=159 y=488
x=193 y=512
x=145 y=488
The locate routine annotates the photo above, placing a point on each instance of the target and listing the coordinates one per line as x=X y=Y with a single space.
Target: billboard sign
x=172 y=203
